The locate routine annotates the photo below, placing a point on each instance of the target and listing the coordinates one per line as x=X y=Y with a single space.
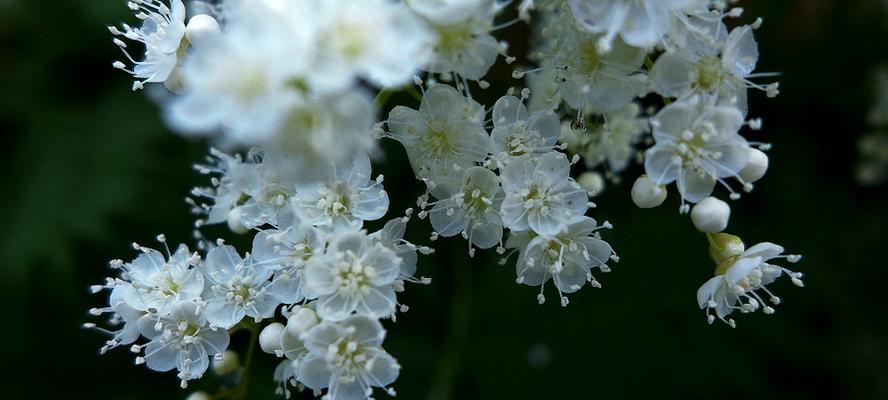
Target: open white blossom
x=719 y=66
x=355 y=275
x=286 y=252
x=567 y=258
x=614 y=143
x=472 y=210
x=236 y=288
x=443 y=137
x=184 y=341
x=347 y=359
x=464 y=45
x=541 y=195
x=517 y=133
x=162 y=33
x=379 y=40
x=639 y=23
x=594 y=81
x=345 y=201
x=697 y=144
x=155 y=282
x=741 y=277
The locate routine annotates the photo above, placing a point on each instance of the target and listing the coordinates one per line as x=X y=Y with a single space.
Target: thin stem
x=460 y=320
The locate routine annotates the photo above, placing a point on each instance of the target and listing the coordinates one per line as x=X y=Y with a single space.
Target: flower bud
x=228 y=364
x=756 y=167
x=199 y=396
x=235 y=221
x=301 y=321
x=647 y=194
x=724 y=249
x=270 y=338
x=593 y=182
x=711 y=215
x=200 y=28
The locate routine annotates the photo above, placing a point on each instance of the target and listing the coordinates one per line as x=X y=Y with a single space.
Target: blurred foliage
x=87 y=168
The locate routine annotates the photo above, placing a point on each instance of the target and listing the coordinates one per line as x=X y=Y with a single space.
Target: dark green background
x=87 y=168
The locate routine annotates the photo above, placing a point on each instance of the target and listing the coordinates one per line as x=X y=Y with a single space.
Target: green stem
x=460 y=320
x=382 y=98
x=240 y=391
x=413 y=92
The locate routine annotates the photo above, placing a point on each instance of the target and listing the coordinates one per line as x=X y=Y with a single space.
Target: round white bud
x=235 y=221
x=593 y=182
x=199 y=396
x=228 y=364
x=270 y=338
x=711 y=215
x=200 y=28
x=301 y=321
x=647 y=194
x=756 y=167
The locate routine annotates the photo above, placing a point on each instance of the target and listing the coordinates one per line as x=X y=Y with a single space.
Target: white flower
x=156 y=283
x=697 y=144
x=162 y=32
x=740 y=278
x=446 y=11
x=473 y=209
x=540 y=195
x=719 y=66
x=566 y=257
x=466 y=48
x=236 y=288
x=640 y=23
x=590 y=80
x=375 y=39
x=345 y=201
x=233 y=178
x=287 y=252
x=614 y=143
x=392 y=237
x=355 y=275
x=519 y=134
x=183 y=341
x=122 y=314
x=444 y=136
x=245 y=82
x=346 y=359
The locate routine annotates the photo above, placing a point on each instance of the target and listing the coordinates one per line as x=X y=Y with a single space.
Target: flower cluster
x=286 y=90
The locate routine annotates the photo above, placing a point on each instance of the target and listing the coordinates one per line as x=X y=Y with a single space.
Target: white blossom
x=473 y=209
x=443 y=137
x=720 y=65
x=594 y=81
x=375 y=39
x=464 y=46
x=184 y=341
x=236 y=288
x=697 y=144
x=345 y=201
x=347 y=359
x=286 y=252
x=355 y=275
x=741 y=282
x=517 y=133
x=566 y=257
x=540 y=195
x=156 y=283
x=614 y=143
x=640 y=23
x=162 y=33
